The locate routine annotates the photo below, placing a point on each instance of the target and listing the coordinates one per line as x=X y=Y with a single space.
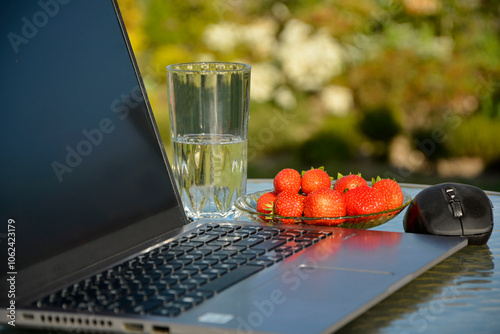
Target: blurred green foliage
x=369 y=85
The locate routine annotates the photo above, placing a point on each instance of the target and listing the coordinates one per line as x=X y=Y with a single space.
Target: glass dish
x=248 y=203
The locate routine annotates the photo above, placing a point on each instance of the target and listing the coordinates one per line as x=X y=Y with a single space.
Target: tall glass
x=209 y=107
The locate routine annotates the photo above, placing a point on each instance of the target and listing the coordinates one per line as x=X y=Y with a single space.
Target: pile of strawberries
x=312 y=195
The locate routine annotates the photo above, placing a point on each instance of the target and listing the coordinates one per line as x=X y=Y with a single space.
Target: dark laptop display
x=80 y=159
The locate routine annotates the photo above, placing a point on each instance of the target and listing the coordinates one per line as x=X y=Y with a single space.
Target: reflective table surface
x=459 y=295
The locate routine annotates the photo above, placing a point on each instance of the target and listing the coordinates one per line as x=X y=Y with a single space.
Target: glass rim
x=241 y=67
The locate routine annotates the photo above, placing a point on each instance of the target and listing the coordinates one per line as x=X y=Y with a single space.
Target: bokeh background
x=406 y=89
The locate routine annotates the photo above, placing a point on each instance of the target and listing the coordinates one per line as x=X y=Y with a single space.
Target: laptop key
x=208 y=262
x=275 y=257
x=255 y=251
x=190 y=300
x=225 y=266
x=232 y=250
x=245 y=256
x=220 y=243
x=230 y=239
x=159 y=286
x=193 y=243
x=220 y=256
x=231 y=278
x=147 y=305
x=200 y=294
x=175 y=292
x=241 y=234
x=193 y=257
x=179 y=277
x=183 y=248
x=261 y=262
x=263 y=235
x=169 y=267
x=236 y=261
x=249 y=242
x=206 y=276
x=182 y=306
x=173 y=253
x=166 y=311
x=196 y=280
x=215 y=271
x=269 y=244
x=204 y=238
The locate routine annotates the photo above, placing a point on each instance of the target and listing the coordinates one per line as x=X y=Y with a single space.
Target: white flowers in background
x=223 y=37
x=309 y=59
x=337 y=100
x=306 y=58
x=264 y=80
x=285 y=98
x=260 y=36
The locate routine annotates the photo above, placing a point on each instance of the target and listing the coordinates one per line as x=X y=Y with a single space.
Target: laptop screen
x=80 y=155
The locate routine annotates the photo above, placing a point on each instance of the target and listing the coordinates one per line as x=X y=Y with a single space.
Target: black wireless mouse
x=451 y=209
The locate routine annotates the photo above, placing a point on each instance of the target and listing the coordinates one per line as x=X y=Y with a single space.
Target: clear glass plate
x=248 y=205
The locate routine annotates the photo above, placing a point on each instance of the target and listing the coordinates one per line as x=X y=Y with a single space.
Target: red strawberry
x=324 y=202
x=287 y=179
x=391 y=191
x=289 y=204
x=363 y=200
x=265 y=204
x=314 y=179
x=348 y=182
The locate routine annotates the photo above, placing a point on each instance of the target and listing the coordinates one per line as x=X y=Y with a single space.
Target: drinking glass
x=209 y=107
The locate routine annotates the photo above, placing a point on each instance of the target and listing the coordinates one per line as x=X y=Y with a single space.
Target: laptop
x=93 y=232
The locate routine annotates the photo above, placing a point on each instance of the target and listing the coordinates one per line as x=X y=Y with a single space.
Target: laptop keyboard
x=184 y=272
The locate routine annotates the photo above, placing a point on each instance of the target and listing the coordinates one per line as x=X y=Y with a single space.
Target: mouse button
x=435 y=212
x=454 y=201
x=441 y=222
x=478 y=214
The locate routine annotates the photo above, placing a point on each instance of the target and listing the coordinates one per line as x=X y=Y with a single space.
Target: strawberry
x=391 y=191
x=289 y=204
x=265 y=204
x=314 y=179
x=287 y=179
x=324 y=202
x=363 y=200
x=348 y=182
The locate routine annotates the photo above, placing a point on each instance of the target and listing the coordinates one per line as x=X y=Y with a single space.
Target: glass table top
x=459 y=295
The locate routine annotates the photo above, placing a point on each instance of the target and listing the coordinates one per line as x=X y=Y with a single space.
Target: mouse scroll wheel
x=455 y=203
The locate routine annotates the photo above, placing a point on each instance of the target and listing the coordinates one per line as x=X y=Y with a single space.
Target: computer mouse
x=451 y=209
